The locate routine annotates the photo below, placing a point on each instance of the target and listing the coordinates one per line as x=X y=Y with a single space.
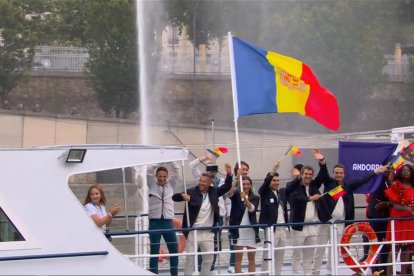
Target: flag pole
x=187 y=215
x=212 y=133
x=283 y=157
x=235 y=106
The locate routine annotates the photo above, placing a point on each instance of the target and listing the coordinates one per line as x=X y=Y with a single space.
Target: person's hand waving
x=317 y=155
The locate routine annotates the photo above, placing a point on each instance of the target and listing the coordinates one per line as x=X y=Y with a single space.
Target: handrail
x=182 y=214
x=216 y=228
x=51 y=256
x=335 y=242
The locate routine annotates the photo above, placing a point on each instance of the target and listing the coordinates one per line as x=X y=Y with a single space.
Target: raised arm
x=175 y=171
x=265 y=187
x=151 y=180
x=355 y=184
x=227 y=183
x=323 y=174
x=195 y=170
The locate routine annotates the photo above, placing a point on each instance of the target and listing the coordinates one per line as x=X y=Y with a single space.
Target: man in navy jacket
x=332 y=209
x=203 y=211
x=303 y=195
x=273 y=210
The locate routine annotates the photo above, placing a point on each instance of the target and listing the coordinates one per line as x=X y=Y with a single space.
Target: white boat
x=54 y=235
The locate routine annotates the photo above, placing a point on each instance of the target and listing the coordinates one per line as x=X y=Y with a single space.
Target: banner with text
x=361 y=158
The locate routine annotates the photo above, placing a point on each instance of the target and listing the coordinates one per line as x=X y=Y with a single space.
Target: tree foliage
x=112 y=64
x=15 y=50
x=204 y=20
x=56 y=21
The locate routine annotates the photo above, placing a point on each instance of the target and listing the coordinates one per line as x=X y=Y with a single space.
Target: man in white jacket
x=161 y=213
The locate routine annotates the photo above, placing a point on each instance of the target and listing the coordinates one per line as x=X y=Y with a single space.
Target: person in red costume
x=401 y=196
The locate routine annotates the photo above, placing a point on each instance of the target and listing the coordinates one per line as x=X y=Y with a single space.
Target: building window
x=173 y=36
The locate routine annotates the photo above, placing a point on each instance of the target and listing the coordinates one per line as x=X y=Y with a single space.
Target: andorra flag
x=397 y=162
x=337 y=192
x=294 y=150
x=268 y=82
x=217 y=152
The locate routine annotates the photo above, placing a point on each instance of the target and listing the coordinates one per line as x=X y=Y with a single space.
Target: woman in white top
x=95 y=207
x=243 y=212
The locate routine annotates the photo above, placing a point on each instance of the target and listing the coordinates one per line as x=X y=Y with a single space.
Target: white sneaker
x=231 y=269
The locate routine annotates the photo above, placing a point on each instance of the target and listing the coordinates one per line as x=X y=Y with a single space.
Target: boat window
x=8 y=231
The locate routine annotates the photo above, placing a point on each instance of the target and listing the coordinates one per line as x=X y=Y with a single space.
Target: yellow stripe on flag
x=335 y=191
x=291 y=92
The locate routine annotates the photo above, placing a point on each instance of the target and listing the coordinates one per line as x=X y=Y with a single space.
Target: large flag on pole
x=268 y=82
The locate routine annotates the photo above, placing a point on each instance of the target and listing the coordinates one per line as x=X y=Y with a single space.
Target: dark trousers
x=169 y=238
x=380 y=228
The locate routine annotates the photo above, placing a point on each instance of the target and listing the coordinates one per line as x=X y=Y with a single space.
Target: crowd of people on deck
x=231 y=201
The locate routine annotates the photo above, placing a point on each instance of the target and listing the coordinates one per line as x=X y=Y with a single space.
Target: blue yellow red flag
x=268 y=82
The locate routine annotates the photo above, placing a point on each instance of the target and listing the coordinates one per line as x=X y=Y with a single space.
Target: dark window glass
x=8 y=231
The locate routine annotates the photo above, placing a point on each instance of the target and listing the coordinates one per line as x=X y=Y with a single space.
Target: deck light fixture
x=75 y=155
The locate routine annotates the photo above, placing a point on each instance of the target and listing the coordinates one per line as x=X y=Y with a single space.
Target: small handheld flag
x=408 y=153
x=294 y=150
x=337 y=192
x=217 y=152
x=397 y=162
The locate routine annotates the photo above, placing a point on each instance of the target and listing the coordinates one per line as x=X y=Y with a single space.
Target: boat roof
x=59 y=237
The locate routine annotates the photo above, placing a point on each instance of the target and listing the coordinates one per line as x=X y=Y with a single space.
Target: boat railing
x=354 y=248
x=392 y=253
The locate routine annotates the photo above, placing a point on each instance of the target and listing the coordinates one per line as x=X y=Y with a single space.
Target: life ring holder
x=181 y=243
x=366 y=230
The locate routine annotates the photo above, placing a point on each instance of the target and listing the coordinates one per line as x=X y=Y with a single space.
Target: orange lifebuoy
x=367 y=230
x=181 y=243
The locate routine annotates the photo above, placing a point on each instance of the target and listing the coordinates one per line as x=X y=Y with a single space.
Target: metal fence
x=59 y=58
x=396 y=69
x=52 y=59
x=208 y=64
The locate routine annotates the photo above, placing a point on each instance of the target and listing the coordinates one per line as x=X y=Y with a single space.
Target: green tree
x=15 y=47
x=112 y=64
x=56 y=22
x=70 y=18
x=209 y=18
x=40 y=15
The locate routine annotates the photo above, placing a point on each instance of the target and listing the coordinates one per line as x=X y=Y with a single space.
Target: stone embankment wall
x=171 y=100
x=56 y=95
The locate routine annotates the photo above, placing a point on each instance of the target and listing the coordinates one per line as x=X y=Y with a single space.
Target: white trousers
x=306 y=237
x=323 y=239
x=279 y=242
x=205 y=240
